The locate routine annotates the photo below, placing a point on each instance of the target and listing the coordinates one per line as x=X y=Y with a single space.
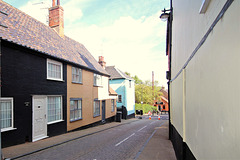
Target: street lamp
x=167 y=15
x=164 y=16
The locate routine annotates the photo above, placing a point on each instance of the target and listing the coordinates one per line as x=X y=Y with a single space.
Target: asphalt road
x=123 y=142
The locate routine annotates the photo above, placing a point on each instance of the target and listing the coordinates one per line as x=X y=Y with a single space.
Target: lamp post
x=1 y=156
x=167 y=15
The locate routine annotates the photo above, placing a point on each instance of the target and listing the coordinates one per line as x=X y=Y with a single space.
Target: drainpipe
x=0 y=96
x=170 y=68
x=184 y=105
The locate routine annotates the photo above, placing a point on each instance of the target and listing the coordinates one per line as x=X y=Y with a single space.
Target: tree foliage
x=144 y=92
x=145 y=108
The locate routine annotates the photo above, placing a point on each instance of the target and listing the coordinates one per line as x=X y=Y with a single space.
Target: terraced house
x=125 y=87
x=51 y=84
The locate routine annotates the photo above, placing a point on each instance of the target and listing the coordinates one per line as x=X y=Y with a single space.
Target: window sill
x=55 y=122
x=96 y=116
x=98 y=86
x=53 y=79
x=75 y=120
x=7 y=129
x=77 y=83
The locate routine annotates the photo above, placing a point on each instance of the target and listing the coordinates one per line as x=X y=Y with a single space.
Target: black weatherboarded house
x=34 y=60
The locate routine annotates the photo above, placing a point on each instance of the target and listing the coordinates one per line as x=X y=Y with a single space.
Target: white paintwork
x=204 y=6
x=130 y=98
x=39 y=118
x=103 y=91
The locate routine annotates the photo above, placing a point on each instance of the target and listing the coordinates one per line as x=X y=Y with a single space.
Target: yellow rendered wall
x=109 y=112
x=87 y=92
x=212 y=79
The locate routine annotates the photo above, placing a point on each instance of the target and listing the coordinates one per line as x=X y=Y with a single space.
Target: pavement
x=156 y=147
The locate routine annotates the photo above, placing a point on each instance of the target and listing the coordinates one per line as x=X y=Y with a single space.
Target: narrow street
x=122 y=142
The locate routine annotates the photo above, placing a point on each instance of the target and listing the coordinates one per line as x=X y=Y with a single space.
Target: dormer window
x=54 y=70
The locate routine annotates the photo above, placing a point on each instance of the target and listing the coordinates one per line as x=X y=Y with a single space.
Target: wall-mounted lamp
x=164 y=16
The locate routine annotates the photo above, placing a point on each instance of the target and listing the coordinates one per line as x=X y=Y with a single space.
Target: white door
x=39 y=117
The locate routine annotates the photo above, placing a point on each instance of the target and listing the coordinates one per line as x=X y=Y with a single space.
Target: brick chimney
x=56 y=20
x=102 y=62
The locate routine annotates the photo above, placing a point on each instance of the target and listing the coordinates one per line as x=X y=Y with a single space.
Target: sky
x=127 y=33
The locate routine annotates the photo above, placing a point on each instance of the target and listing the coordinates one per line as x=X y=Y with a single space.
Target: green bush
x=145 y=108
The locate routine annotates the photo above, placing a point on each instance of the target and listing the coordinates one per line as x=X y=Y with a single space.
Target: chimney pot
x=101 y=58
x=53 y=3
x=102 y=62
x=56 y=20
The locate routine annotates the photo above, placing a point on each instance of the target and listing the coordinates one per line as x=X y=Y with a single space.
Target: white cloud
x=36 y=9
x=72 y=12
x=39 y=10
x=128 y=44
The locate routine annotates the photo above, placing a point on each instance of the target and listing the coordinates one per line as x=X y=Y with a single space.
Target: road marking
x=140 y=151
x=142 y=128
x=152 y=122
x=125 y=139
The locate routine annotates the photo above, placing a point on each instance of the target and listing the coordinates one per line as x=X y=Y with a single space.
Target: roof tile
x=27 y=31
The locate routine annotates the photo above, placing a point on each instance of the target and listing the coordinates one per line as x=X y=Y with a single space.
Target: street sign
x=149 y=113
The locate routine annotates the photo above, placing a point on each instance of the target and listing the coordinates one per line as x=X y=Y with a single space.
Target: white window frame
x=78 y=73
x=61 y=119
x=12 y=120
x=130 y=84
x=94 y=108
x=78 y=108
x=61 y=68
x=97 y=80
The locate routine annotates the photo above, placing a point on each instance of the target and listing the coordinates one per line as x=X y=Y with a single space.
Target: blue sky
x=128 y=33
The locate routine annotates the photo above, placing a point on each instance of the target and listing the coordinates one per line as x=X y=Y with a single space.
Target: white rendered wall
x=103 y=91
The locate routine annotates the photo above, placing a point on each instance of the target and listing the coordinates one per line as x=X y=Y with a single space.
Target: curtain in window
x=75 y=110
x=6 y=114
x=76 y=75
x=54 y=109
x=95 y=79
x=96 y=108
x=54 y=70
x=112 y=104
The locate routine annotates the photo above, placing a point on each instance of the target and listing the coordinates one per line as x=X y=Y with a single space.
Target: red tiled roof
x=31 y=33
x=163 y=98
x=165 y=93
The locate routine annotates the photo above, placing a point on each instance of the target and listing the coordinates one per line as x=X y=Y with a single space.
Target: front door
x=39 y=117
x=103 y=110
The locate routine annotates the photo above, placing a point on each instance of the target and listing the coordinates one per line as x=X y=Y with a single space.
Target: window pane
x=76 y=75
x=112 y=104
x=54 y=70
x=6 y=113
x=76 y=110
x=54 y=108
x=96 y=108
x=80 y=75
